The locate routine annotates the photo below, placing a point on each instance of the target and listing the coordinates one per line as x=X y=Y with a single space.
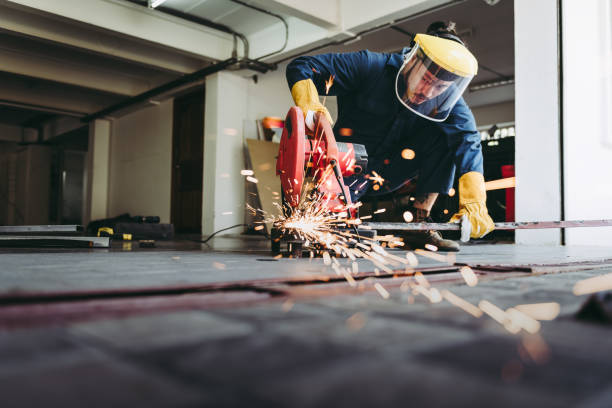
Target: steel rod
x=21 y=229
x=444 y=226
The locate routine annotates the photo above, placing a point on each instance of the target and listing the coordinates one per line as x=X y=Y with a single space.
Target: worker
x=407 y=109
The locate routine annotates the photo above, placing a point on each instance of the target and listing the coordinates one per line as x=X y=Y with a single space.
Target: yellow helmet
x=434 y=75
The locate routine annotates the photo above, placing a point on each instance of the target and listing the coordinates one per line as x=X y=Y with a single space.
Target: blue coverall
x=364 y=83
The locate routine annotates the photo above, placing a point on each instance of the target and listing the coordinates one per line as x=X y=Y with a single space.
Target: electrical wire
x=221 y=230
x=242 y=3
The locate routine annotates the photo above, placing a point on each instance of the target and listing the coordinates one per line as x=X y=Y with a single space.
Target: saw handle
x=324 y=129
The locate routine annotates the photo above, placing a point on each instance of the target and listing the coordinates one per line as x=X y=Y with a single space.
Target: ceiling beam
x=134 y=21
x=322 y=13
x=78 y=73
x=356 y=16
x=49 y=96
x=20 y=21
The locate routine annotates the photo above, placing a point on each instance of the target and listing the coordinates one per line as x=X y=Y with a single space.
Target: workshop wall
x=141 y=163
x=494 y=114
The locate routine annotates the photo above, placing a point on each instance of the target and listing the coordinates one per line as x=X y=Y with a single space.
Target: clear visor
x=426 y=88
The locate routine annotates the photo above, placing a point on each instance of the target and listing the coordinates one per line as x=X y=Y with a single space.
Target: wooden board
x=262 y=155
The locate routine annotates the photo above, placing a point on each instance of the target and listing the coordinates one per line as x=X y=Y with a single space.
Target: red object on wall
x=508 y=171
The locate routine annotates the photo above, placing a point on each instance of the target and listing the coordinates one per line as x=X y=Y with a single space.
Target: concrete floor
x=254 y=331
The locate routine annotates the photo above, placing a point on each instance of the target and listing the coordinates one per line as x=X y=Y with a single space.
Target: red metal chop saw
x=313 y=164
x=308 y=160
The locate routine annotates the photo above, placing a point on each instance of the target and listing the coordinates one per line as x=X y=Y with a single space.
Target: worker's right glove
x=305 y=96
x=473 y=204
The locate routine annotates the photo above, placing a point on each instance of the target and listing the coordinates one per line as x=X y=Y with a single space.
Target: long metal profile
x=52 y=241
x=445 y=226
x=24 y=229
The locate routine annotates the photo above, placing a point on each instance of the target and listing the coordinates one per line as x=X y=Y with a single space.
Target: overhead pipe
x=145 y=96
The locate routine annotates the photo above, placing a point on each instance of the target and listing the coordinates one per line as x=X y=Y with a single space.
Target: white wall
x=270 y=96
x=587 y=117
x=496 y=113
x=141 y=163
x=538 y=192
x=96 y=191
x=223 y=186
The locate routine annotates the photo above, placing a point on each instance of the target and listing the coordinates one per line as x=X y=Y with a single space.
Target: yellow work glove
x=305 y=96
x=472 y=203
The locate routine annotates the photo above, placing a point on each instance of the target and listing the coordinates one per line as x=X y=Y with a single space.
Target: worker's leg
x=422 y=205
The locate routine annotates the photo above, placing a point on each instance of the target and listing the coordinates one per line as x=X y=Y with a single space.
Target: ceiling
x=487 y=30
x=102 y=78
x=240 y=18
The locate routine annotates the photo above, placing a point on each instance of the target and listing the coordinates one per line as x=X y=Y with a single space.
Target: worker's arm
x=464 y=138
x=307 y=78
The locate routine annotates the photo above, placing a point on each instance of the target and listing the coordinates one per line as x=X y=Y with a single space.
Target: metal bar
x=445 y=226
x=46 y=241
x=24 y=229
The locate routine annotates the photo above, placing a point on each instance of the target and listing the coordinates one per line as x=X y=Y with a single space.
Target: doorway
x=187 y=162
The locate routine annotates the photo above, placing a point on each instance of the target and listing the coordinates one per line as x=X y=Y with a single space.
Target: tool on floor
x=109 y=232
x=313 y=163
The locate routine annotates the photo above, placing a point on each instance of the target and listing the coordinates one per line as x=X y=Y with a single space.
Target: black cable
x=242 y=3
x=221 y=230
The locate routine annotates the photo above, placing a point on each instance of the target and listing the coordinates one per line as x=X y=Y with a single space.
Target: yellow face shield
x=434 y=75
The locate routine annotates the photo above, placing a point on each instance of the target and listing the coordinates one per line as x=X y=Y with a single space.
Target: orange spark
x=469 y=276
x=408 y=217
x=376 y=178
x=408 y=154
x=461 y=303
x=329 y=83
x=540 y=311
x=592 y=285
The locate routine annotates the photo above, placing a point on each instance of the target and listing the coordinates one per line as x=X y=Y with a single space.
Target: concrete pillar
x=538 y=150
x=97 y=171
x=587 y=117
x=223 y=201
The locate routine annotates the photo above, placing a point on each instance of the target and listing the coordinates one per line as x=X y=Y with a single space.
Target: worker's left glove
x=305 y=95
x=472 y=203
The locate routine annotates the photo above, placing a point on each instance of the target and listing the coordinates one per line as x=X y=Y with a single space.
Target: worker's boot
x=418 y=239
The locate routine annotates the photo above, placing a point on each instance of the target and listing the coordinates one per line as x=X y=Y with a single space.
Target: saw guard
x=291 y=156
